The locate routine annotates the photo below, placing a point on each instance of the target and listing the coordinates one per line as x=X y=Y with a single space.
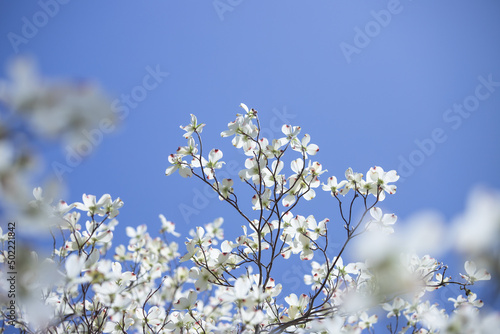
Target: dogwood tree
x=205 y=283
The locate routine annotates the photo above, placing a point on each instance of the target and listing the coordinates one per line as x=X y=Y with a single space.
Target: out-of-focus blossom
x=41 y=110
x=168 y=226
x=56 y=107
x=477 y=231
x=381 y=222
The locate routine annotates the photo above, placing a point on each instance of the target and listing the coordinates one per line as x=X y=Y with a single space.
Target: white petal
x=312 y=149
x=483 y=275
x=74 y=265
x=244 y=106
x=306 y=140
x=215 y=155
x=171 y=169
x=288 y=200
x=37 y=193
x=391 y=176
x=376 y=213
x=470 y=268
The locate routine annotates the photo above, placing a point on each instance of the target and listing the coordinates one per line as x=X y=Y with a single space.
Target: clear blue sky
x=367 y=80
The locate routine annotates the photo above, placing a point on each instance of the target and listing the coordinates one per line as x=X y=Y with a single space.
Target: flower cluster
x=376 y=183
x=343 y=296
x=93 y=293
x=36 y=110
x=216 y=285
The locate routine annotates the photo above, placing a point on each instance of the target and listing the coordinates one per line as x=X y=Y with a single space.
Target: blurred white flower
x=55 y=107
x=168 y=226
x=381 y=222
x=477 y=230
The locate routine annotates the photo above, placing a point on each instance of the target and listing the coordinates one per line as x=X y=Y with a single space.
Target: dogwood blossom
x=168 y=226
x=190 y=149
x=263 y=201
x=381 y=222
x=225 y=188
x=395 y=308
x=296 y=305
x=366 y=321
x=354 y=180
x=474 y=274
x=291 y=133
x=187 y=302
x=244 y=131
x=304 y=147
x=381 y=181
x=178 y=164
x=301 y=183
x=209 y=166
x=333 y=186
x=192 y=127
x=470 y=300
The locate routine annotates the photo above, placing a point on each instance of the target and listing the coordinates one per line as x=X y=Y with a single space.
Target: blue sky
x=373 y=83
